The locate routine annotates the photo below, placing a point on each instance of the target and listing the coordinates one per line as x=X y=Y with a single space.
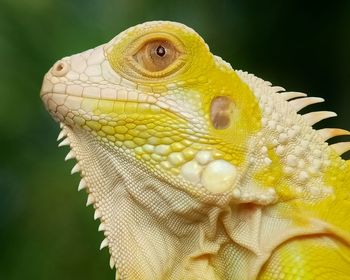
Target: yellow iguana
x=197 y=170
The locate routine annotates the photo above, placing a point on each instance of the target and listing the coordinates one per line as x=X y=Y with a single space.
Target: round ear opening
x=221 y=109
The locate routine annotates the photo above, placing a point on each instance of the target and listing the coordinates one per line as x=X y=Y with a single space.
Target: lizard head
x=157 y=92
x=160 y=128
x=179 y=153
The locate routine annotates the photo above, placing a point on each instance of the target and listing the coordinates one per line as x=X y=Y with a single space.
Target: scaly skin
x=196 y=170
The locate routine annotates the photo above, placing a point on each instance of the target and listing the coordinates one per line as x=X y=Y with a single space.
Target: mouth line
x=137 y=98
x=155 y=103
x=97 y=98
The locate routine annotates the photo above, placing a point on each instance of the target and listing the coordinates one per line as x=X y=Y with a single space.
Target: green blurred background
x=45 y=230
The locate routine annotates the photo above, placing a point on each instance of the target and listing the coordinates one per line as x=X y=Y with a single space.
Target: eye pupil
x=160 y=51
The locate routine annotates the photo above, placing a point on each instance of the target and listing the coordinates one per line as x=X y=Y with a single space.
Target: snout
x=57 y=71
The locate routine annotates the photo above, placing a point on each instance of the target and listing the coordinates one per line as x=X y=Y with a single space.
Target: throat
x=152 y=228
x=155 y=229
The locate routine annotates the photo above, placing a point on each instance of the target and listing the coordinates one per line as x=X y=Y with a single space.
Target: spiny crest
x=299 y=101
x=83 y=185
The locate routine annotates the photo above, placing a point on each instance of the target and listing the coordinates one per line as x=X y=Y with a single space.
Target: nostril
x=60 y=68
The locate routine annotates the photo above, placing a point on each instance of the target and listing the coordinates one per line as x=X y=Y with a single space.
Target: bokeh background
x=45 y=230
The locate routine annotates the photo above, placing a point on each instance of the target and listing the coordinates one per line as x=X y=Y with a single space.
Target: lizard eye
x=151 y=56
x=156 y=55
